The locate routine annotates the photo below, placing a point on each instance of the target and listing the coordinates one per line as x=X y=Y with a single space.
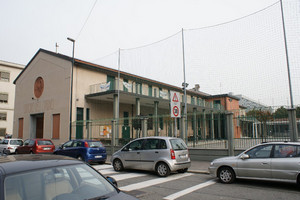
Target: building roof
x=110 y=71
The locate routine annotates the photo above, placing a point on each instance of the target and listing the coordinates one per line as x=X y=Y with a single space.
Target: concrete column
x=138 y=106
x=230 y=133
x=116 y=117
x=293 y=125
x=195 y=126
x=204 y=125
x=144 y=126
x=212 y=126
x=219 y=125
x=113 y=132
x=156 y=118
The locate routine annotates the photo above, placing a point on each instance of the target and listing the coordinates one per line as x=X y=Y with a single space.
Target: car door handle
x=264 y=163
x=156 y=151
x=138 y=152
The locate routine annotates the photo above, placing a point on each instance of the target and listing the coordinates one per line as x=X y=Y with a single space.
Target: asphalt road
x=197 y=186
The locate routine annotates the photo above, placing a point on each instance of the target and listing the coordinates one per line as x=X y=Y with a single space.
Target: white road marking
x=98 y=167
x=152 y=182
x=189 y=190
x=108 y=171
x=120 y=177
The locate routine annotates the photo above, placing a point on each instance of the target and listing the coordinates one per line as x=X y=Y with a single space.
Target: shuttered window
x=4 y=76
x=20 y=131
x=3 y=116
x=56 y=126
x=3 y=98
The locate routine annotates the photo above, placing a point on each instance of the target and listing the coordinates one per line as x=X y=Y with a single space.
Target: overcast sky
x=29 y=25
x=102 y=27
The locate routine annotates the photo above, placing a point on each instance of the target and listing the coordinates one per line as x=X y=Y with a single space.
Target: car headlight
x=212 y=163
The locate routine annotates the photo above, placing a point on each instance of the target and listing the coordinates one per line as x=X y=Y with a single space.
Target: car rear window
x=45 y=142
x=16 y=142
x=178 y=144
x=95 y=144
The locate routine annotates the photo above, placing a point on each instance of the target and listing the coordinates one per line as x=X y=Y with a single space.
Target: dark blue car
x=90 y=151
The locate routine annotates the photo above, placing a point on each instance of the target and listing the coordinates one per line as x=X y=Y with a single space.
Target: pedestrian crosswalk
x=149 y=180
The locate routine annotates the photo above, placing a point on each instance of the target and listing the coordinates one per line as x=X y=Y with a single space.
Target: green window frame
x=150 y=90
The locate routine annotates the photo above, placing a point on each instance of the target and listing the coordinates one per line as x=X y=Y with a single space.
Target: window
x=68 y=144
x=3 y=98
x=155 y=92
x=192 y=100
x=136 y=145
x=125 y=89
x=3 y=116
x=150 y=90
x=154 y=144
x=2 y=132
x=286 y=151
x=161 y=123
x=4 y=76
x=263 y=151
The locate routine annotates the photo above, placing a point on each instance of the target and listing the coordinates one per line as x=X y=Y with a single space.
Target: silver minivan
x=161 y=154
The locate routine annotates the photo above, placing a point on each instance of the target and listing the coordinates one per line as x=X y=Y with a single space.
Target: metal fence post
x=230 y=133
x=293 y=125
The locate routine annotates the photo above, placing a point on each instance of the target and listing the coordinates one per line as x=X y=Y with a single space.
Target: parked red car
x=36 y=146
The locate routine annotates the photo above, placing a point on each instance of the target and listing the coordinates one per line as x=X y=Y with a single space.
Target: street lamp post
x=71 y=93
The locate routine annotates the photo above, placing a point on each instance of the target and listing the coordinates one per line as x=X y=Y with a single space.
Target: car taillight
x=86 y=144
x=9 y=148
x=172 y=154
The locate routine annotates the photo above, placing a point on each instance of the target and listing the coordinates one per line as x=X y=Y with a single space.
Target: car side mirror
x=245 y=156
x=112 y=180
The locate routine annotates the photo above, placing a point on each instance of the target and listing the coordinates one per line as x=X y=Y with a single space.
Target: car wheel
x=162 y=169
x=117 y=164
x=182 y=170
x=4 y=151
x=31 y=152
x=16 y=152
x=226 y=175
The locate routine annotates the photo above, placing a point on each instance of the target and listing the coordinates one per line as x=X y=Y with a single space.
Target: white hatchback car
x=269 y=161
x=161 y=154
x=9 y=146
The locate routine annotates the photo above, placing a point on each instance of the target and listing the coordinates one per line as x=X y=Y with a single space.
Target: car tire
x=182 y=170
x=118 y=165
x=162 y=169
x=31 y=152
x=226 y=175
x=16 y=152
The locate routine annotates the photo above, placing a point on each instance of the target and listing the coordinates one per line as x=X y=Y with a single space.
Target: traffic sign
x=175 y=104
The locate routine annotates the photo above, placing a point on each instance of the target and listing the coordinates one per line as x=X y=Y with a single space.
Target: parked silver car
x=9 y=146
x=161 y=154
x=269 y=161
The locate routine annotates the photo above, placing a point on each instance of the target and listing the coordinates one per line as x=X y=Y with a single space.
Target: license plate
x=182 y=156
x=47 y=148
x=98 y=156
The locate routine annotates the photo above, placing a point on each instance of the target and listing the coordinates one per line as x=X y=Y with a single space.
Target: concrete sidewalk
x=200 y=167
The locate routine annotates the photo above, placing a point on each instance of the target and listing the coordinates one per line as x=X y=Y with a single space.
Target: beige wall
x=9 y=88
x=54 y=99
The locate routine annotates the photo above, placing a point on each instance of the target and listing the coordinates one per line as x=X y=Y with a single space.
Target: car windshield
x=76 y=182
x=16 y=142
x=44 y=142
x=178 y=144
x=95 y=144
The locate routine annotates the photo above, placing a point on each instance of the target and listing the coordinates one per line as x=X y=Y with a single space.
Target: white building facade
x=8 y=73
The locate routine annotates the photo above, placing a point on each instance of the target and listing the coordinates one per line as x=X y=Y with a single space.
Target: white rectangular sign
x=175 y=104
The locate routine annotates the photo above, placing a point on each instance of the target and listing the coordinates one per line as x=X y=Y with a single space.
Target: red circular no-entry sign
x=175 y=111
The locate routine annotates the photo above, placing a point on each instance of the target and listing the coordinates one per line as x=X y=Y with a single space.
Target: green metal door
x=126 y=127
x=79 y=123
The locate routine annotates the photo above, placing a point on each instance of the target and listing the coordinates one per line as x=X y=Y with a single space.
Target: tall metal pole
x=71 y=92
x=286 y=55
x=118 y=88
x=184 y=87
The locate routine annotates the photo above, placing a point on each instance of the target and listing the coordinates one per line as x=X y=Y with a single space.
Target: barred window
x=3 y=98
x=4 y=76
x=2 y=132
x=3 y=116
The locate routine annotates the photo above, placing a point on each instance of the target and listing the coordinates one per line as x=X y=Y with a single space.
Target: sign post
x=175 y=108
